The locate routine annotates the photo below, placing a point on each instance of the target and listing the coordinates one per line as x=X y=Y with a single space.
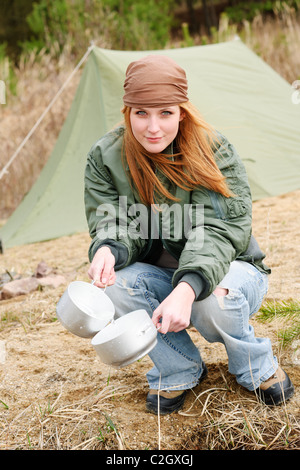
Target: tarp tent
x=235 y=91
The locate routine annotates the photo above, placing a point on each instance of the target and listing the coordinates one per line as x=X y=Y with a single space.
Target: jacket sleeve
x=221 y=232
x=106 y=221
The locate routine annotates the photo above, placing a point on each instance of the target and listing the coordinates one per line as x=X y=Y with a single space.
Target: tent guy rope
x=5 y=168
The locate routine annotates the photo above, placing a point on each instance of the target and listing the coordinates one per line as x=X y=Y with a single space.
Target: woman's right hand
x=101 y=270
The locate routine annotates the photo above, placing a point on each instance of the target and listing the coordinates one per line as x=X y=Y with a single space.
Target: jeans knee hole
x=221 y=292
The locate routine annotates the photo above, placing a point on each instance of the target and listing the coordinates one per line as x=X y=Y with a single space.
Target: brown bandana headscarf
x=154 y=81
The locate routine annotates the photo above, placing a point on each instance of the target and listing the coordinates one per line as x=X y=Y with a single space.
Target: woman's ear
x=182 y=115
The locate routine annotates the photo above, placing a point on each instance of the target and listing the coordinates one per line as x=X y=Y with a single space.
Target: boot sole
x=277 y=398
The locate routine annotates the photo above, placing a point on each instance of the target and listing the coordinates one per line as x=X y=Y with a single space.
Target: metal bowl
x=84 y=309
x=126 y=339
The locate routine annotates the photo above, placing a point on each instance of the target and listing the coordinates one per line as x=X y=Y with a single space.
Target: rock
x=8 y=277
x=53 y=281
x=19 y=287
x=43 y=269
x=44 y=276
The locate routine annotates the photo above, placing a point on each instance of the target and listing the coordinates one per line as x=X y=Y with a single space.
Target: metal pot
x=126 y=339
x=84 y=309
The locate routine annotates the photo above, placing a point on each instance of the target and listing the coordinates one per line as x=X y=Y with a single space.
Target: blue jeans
x=224 y=319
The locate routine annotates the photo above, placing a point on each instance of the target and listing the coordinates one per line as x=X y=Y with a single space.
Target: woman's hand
x=175 y=311
x=102 y=268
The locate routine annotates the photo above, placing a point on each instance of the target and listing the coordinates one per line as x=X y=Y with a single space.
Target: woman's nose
x=153 y=125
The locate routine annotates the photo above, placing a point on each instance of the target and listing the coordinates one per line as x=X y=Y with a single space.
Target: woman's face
x=155 y=128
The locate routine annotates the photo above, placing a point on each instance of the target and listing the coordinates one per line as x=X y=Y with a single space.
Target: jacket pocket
x=236 y=207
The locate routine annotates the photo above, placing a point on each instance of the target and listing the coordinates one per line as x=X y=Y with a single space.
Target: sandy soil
x=56 y=394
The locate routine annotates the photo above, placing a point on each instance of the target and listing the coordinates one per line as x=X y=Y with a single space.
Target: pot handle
x=93 y=282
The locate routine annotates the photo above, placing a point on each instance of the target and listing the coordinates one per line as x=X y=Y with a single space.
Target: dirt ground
x=56 y=394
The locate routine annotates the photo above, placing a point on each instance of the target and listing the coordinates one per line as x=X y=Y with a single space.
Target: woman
x=169 y=211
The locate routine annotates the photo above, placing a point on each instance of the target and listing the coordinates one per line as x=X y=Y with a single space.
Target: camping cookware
x=86 y=311
x=126 y=340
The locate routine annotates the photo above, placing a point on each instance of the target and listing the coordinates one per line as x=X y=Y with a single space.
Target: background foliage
x=27 y=25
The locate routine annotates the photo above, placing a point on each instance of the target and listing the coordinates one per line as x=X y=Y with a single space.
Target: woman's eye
x=144 y=113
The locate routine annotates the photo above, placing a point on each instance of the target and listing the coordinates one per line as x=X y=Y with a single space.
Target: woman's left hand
x=175 y=311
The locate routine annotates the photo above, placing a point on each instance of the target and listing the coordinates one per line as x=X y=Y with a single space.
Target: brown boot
x=277 y=389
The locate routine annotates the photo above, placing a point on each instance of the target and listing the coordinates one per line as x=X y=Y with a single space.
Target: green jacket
x=204 y=230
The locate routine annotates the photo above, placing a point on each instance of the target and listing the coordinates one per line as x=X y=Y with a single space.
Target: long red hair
x=193 y=165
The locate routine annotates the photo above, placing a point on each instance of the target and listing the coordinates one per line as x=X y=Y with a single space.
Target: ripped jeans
x=224 y=319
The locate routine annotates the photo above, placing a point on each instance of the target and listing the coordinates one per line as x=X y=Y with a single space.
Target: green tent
x=234 y=89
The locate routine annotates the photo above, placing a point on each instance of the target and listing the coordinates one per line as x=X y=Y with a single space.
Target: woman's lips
x=153 y=139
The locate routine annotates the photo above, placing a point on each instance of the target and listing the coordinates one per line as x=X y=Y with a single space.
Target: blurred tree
x=13 y=26
x=202 y=13
x=142 y=24
x=124 y=24
x=240 y=10
x=120 y=24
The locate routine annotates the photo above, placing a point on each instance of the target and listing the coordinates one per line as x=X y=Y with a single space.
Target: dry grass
x=218 y=418
x=86 y=425
x=55 y=394
x=39 y=78
x=277 y=41
x=83 y=425
x=241 y=423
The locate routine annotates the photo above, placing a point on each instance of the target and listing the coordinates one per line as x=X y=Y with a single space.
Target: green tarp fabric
x=235 y=91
